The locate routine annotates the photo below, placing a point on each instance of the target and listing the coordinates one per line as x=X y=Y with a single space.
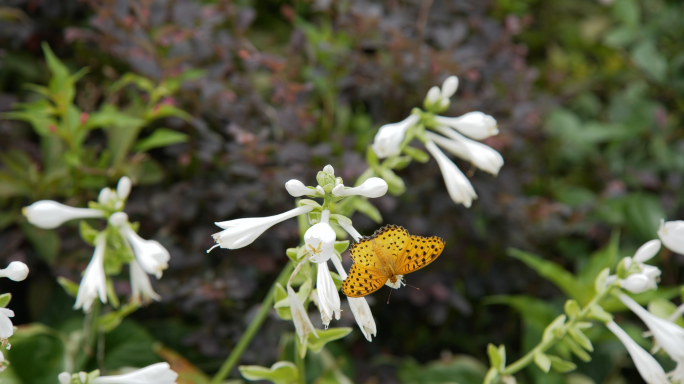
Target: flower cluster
x=15 y=271
x=159 y=373
x=319 y=247
x=457 y=135
x=117 y=244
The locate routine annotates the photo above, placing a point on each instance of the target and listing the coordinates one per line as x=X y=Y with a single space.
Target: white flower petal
x=636 y=283
x=320 y=239
x=64 y=378
x=118 y=219
x=648 y=367
x=449 y=87
x=350 y=230
x=338 y=190
x=359 y=306
x=48 y=214
x=123 y=189
x=329 y=170
x=106 y=195
x=296 y=188
x=328 y=297
x=433 y=95
x=159 y=373
x=389 y=137
x=671 y=233
x=141 y=288
x=16 y=271
x=93 y=283
x=480 y=155
x=300 y=318
x=151 y=255
x=647 y=251
x=459 y=187
x=373 y=187
x=6 y=327
x=476 y=125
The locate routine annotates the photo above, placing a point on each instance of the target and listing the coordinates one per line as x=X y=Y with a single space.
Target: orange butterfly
x=388 y=255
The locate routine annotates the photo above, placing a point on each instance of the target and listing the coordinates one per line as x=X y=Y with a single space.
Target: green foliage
x=282 y=372
x=459 y=369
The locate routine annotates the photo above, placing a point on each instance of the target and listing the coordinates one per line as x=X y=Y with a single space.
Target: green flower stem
x=299 y=361
x=251 y=331
x=543 y=346
x=90 y=334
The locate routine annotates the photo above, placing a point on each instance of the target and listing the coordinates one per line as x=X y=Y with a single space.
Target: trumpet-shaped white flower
x=320 y=239
x=449 y=87
x=648 y=367
x=141 y=288
x=296 y=188
x=300 y=318
x=328 y=297
x=159 y=373
x=388 y=140
x=373 y=187
x=459 y=188
x=671 y=233
x=480 y=155
x=242 y=232
x=476 y=125
x=48 y=214
x=6 y=327
x=668 y=335
x=358 y=305
x=93 y=283
x=151 y=255
x=16 y=271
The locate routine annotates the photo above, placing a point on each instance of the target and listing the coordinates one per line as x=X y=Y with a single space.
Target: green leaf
x=581 y=339
x=542 y=361
x=572 y=309
x=647 y=57
x=664 y=309
x=292 y=254
x=362 y=205
x=551 y=271
x=627 y=11
x=576 y=349
x=141 y=82
x=417 y=154
x=111 y=320
x=325 y=336
x=280 y=297
x=600 y=284
x=341 y=246
x=397 y=162
x=69 y=286
x=111 y=293
x=395 y=183
x=161 y=137
x=282 y=372
x=560 y=365
x=643 y=213
x=372 y=158
x=5 y=299
x=494 y=357
x=32 y=343
x=129 y=345
x=88 y=233
x=550 y=330
x=598 y=313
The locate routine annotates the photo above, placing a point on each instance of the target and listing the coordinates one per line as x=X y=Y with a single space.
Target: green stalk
x=544 y=346
x=90 y=333
x=251 y=331
x=301 y=368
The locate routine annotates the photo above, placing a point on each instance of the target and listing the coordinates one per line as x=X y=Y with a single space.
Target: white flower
x=434 y=95
x=106 y=195
x=671 y=233
x=48 y=214
x=358 y=305
x=350 y=230
x=328 y=297
x=320 y=239
x=636 y=283
x=296 y=188
x=648 y=367
x=93 y=283
x=16 y=271
x=159 y=373
x=6 y=327
x=668 y=335
x=373 y=187
x=647 y=251
x=123 y=189
x=388 y=139
x=480 y=155
x=449 y=87
x=475 y=125
x=64 y=378
x=458 y=186
x=242 y=232
x=300 y=318
x=329 y=170
x=141 y=289
x=151 y=255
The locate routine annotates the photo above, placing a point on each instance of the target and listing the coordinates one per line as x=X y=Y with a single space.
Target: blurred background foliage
x=211 y=106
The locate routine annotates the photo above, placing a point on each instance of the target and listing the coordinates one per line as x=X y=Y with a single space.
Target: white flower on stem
x=6 y=327
x=648 y=275
x=93 y=283
x=358 y=305
x=123 y=188
x=320 y=239
x=242 y=232
x=648 y=367
x=141 y=288
x=668 y=335
x=449 y=87
x=647 y=251
x=16 y=271
x=48 y=214
x=636 y=283
x=388 y=139
x=151 y=255
x=459 y=188
x=328 y=297
x=296 y=188
x=373 y=187
x=671 y=233
x=476 y=125
x=159 y=373
x=480 y=155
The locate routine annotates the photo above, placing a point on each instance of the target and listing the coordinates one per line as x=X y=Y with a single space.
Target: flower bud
x=329 y=170
x=647 y=251
x=118 y=219
x=16 y=271
x=449 y=86
x=64 y=378
x=636 y=283
x=433 y=95
x=296 y=188
x=123 y=189
x=105 y=196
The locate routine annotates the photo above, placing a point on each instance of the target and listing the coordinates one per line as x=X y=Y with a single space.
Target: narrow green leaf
x=550 y=271
x=364 y=206
x=395 y=183
x=5 y=299
x=161 y=137
x=581 y=339
x=600 y=284
x=494 y=358
x=572 y=309
x=542 y=361
x=549 y=332
x=341 y=246
x=88 y=233
x=371 y=158
x=560 y=365
x=69 y=286
x=282 y=372
x=325 y=336
x=576 y=349
x=417 y=154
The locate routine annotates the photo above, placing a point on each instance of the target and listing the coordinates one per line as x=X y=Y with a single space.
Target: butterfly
x=388 y=255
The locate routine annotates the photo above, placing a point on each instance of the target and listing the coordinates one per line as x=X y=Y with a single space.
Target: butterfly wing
x=420 y=252
x=392 y=239
x=363 y=280
x=362 y=253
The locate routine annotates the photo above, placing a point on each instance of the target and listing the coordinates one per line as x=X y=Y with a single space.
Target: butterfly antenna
x=388 y=297
x=408 y=285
